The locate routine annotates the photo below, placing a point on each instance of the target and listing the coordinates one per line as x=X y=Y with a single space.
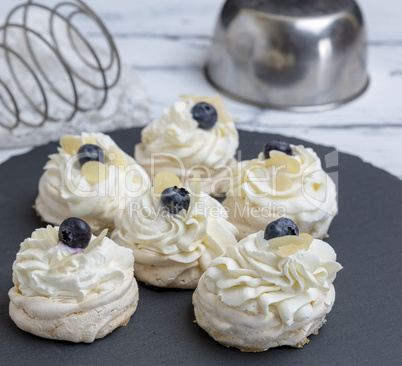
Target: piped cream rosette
x=175 y=143
x=173 y=250
x=93 y=192
x=282 y=186
x=262 y=294
x=68 y=294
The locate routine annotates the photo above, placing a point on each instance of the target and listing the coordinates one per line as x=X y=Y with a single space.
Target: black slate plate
x=364 y=326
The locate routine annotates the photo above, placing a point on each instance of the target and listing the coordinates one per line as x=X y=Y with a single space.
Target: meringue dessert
x=269 y=290
x=196 y=136
x=90 y=177
x=174 y=234
x=284 y=181
x=71 y=285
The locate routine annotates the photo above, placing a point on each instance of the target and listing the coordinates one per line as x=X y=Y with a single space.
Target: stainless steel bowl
x=305 y=55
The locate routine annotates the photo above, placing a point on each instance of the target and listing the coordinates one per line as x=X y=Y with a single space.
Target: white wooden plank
x=168 y=42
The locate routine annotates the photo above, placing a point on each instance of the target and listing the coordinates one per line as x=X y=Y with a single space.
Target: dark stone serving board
x=363 y=328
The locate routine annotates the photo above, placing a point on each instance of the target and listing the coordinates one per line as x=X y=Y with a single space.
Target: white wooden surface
x=167 y=41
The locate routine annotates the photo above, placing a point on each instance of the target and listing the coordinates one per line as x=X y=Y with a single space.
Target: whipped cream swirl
x=64 y=184
x=175 y=142
x=157 y=236
x=46 y=268
x=284 y=275
x=292 y=186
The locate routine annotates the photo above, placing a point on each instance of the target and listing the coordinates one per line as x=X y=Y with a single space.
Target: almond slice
x=89 y=140
x=71 y=144
x=165 y=180
x=94 y=172
x=308 y=238
x=96 y=241
x=287 y=250
x=286 y=161
x=275 y=153
x=291 y=241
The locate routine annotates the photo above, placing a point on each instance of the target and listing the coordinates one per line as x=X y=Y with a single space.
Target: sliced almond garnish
x=307 y=237
x=96 y=241
x=165 y=180
x=94 y=172
x=275 y=153
x=289 y=244
x=71 y=144
x=286 y=161
x=287 y=250
x=90 y=140
x=284 y=240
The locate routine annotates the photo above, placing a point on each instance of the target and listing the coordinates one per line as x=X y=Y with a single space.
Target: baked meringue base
x=255 y=332
x=174 y=276
x=158 y=270
x=251 y=224
x=74 y=322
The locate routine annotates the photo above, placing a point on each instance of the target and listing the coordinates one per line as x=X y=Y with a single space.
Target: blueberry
x=75 y=233
x=281 y=227
x=205 y=114
x=90 y=152
x=175 y=199
x=277 y=145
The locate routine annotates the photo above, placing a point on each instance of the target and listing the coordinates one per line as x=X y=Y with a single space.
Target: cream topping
x=176 y=140
x=285 y=275
x=297 y=184
x=120 y=176
x=46 y=268
x=156 y=236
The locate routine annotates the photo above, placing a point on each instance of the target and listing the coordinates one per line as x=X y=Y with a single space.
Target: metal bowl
x=305 y=55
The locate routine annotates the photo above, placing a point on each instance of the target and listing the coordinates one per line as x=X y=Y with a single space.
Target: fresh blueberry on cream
x=175 y=199
x=75 y=233
x=90 y=152
x=281 y=227
x=205 y=114
x=277 y=145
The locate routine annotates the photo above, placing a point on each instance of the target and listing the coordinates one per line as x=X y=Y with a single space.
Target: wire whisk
x=49 y=68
